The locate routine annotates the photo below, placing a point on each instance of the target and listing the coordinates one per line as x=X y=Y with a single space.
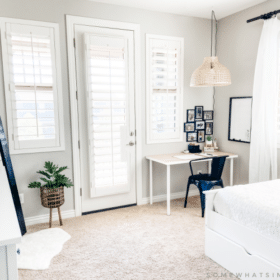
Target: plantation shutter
x=165 y=91
x=107 y=110
x=32 y=97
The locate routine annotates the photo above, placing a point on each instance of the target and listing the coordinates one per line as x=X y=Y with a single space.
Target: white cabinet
x=10 y=233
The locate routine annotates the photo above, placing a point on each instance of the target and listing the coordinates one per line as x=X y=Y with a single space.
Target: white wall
x=238 y=43
x=196 y=33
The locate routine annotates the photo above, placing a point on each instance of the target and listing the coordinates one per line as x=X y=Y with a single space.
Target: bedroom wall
x=237 y=49
x=196 y=33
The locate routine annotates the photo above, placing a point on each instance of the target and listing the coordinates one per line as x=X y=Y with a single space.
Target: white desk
x=169 y=160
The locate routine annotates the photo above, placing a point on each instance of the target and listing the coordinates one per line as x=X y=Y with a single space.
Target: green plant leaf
x=53 y=178
x=60 y=169
x=34 y=185
x=51 y=168
x=45 y=173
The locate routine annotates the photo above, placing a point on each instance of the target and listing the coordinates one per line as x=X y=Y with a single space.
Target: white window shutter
x=107 y=109
x=164 y=89
x=34 y=107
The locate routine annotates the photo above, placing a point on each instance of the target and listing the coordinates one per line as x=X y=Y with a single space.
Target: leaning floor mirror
x=240 y=115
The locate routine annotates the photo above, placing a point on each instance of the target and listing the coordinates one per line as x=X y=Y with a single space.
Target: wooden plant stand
x=59 y=215
x=52 y=198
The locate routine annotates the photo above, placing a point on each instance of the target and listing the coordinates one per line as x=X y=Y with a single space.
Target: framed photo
x=189 y=127
x=191 y=137
x=200 y=125
x=209 y=128
x=200 y=136
x=208 y=115
x=190 y=115
x=198 y=112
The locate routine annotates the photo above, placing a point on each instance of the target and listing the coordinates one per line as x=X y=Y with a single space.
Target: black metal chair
x=206 y=182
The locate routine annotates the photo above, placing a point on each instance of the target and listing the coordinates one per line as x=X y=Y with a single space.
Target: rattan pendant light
x=211 y=73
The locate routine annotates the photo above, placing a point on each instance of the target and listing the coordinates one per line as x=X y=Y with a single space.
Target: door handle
x=130 y=144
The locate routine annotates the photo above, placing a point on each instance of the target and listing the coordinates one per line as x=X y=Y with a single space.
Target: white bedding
x=256 y=206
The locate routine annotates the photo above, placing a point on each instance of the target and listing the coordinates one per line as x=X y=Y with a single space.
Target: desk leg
x=168 y=189
x=231 y=172
x=209 y=166
x=151 y=182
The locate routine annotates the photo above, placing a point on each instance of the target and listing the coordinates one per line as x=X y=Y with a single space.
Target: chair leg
x=187 y=193
x=202 y=200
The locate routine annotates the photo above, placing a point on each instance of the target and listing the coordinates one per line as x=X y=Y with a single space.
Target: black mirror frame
x=5 y=154
x=229 y=120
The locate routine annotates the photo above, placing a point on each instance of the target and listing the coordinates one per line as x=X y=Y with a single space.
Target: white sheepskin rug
x=37 y=249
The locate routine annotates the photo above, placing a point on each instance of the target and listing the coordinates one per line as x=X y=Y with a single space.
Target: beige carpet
x=139 y=242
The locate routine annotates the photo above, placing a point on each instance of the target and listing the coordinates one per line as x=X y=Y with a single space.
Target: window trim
x=6 y=81
x=148 y=93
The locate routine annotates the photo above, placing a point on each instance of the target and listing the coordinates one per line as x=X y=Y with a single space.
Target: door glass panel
x=107 y=106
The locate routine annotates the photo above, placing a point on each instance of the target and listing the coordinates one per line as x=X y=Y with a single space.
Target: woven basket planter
x=52 y=198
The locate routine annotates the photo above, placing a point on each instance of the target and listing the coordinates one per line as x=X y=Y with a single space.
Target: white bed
x=243 y=229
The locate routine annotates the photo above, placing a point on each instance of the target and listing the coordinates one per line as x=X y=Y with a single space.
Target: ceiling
x=196 y=8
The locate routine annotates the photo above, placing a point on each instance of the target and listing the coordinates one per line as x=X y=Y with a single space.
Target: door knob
x=130 y=143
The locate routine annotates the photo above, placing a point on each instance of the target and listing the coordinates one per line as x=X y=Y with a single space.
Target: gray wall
x=197 y=43
x=238 y=43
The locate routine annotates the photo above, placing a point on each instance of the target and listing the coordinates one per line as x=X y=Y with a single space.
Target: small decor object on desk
x=209 y=147
x=216 y=144
x=209 y=141
x=194 y=148
x=52 y=192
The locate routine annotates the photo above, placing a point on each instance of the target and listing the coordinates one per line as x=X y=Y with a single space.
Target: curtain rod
x=265 y=16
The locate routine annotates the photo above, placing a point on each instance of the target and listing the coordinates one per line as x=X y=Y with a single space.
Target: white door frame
x=70 y=22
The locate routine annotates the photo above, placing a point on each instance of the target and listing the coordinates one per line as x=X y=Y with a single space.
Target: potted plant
x=209 y=140
x=52 y=189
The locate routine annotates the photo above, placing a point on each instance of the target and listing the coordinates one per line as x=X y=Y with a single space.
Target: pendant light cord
x=211 y=33
x=215 y=50
x=213 y=17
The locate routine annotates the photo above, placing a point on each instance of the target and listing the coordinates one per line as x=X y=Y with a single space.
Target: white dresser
x=10 y=233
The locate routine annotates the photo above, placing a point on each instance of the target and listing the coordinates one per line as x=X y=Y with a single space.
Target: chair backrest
x=218 y=166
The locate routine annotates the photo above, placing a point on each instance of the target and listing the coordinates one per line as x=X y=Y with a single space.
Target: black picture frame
x=203 y=138
x=5 y=154
x=199 y=125
x=189 y=124
x=188 y=116
x=187 y=137
x=208 y=112
x=198 y=112
x=210 y=124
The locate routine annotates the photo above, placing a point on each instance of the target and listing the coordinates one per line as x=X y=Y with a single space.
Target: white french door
x=105 y=83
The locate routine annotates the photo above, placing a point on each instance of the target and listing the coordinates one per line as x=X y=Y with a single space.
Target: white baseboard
x=163 y=197
x=71 y=213
x=45 y=218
